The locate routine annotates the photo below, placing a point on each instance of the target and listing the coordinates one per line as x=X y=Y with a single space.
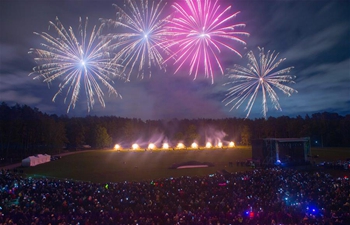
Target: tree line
x=26 y=131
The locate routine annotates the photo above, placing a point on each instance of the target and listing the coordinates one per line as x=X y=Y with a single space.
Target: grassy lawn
x=115 y=166
x=331 y=154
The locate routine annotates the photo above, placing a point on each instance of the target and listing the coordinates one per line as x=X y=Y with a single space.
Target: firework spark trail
x=139 y=40
x=258 y=75
x=64 y=56
x=199 y=32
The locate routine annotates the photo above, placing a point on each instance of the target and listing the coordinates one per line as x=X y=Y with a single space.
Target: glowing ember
x=180 y=145
x=194 y=145
x=165 y=145
x=135 y=146
x=208 y=145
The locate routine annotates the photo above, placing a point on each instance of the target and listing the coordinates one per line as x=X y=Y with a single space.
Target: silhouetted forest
x=26 y=131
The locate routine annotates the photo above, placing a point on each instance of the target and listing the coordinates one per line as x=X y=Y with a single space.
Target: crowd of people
x=261 y=196
x=337 y=165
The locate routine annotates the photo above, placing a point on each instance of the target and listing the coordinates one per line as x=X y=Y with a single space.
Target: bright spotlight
x=220 y=144
x=117 y=147
x=180 y=145
x=208 y=145
x=165 y=145
x=231 y=144
x=135 y=146
x=151 y=146
x=82 y=62
x=194 y=145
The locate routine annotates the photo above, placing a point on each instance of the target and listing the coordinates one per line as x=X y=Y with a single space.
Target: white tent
x=30 y=161
x=48 y=157
x=41 y=158
x=44 y=158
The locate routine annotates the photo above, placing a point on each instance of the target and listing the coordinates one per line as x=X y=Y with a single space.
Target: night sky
x=313 y=36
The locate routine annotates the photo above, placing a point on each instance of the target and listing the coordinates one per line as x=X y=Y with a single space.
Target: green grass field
x=115 y=166
x=331 y=154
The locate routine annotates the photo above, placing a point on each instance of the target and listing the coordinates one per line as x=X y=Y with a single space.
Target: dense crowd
x=337 y=165
x=262 y=196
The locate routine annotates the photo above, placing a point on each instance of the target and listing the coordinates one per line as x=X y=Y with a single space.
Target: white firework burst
x=76 y=60
x=139 y=36
x=259 y=75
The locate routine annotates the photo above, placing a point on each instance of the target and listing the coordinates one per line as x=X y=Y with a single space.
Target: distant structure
x=36 y=160
x=281 y=151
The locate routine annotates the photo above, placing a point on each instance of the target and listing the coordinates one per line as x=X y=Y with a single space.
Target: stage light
x=165 y=145
x=220 y=144
x=231 y=144
x=180 y=145
x=151 y=146
x=208 y=145
x=135 y=146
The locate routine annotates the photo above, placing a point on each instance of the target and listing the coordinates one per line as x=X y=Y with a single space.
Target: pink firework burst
x=199 y=30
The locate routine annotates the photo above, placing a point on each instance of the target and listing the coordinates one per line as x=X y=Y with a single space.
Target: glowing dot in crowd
x=194 y=145
x=208 y=145
x=135 y=146
x=165 y=145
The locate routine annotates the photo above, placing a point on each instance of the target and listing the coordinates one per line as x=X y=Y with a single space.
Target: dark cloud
x=318 y=44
